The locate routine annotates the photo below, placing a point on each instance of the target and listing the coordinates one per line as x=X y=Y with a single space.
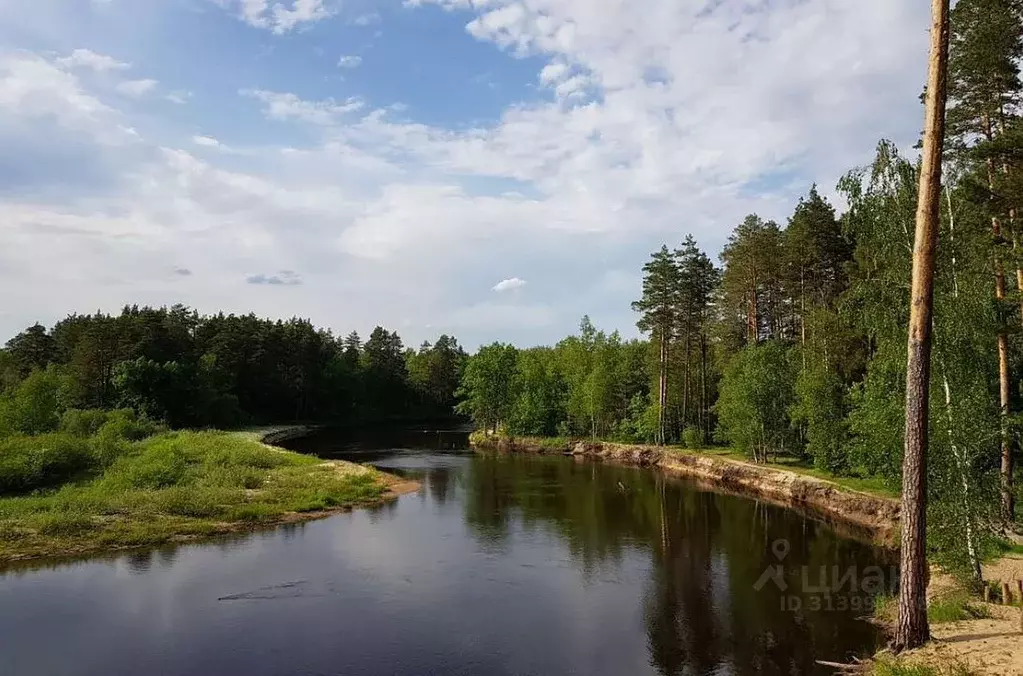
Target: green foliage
x=126 y=424
x=820 y=408
x=30 y=350
x=31 y=462
x=187 y=370
x=756 y=393
x=693 y=438
x=83 y=423
x=35 y=405
x=753 y=281
x=540 y=404
x=434 y=372
x=678 y=289
x=487 y=389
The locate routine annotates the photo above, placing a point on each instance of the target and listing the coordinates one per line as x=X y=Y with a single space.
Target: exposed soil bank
x=859 y=514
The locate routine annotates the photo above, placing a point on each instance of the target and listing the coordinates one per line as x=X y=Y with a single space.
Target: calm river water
x=498 y=565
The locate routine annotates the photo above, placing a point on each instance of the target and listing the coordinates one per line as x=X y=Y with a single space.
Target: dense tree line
x=796 y=344
x=189 y=370
x=591 y=384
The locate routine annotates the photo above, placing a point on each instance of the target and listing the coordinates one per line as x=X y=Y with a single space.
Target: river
x=498 y=565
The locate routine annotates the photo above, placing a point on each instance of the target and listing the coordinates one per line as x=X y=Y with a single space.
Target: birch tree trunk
x=911 y=629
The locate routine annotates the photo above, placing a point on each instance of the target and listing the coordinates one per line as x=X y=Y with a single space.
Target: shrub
x=83 y=422
x=692 y=437
x=34 y=406
x=123 y=423
x=158 y=466
x=29 y=463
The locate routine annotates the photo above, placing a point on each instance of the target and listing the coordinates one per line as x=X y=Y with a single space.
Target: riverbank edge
x=393 y=487
x=860 y=515
x=272 y=436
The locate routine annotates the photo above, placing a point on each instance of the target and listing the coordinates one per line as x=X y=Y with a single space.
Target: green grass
x=890 y=666
x=874 y=486
x=954 y=607
x=1003 y=547
x=169 y=486
x=552 y=442
x=886 y=608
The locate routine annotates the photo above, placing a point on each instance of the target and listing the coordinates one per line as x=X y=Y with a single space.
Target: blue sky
x=493 y=169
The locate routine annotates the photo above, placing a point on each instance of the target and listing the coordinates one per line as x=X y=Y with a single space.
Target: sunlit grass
x=890 y=666
x=872 y=485
x=172 y=485
x=954 y=607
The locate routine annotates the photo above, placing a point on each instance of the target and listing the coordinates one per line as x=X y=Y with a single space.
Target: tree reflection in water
x=701 y=611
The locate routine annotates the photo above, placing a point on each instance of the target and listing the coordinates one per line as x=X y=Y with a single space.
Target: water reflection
x=498 y=565
x=707 y=551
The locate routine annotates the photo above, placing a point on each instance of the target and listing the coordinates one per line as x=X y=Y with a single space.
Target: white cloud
x=348 y=61
x=86 y=58
x=136 y=88
x=367 y=19
x=682 y=117
x=34 y=90
x=179 y=97
x=281 y=17
x=553 y=72
x=509 y=284
x=206 y=141
x=284 y=106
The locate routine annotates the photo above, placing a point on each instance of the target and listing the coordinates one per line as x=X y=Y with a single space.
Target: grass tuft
x=954 y=607
x=891 y=666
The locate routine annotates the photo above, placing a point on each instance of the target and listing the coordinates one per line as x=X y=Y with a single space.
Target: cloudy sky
x=488 y=168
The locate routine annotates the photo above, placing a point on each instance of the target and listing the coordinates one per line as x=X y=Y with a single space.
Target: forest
x=794 y=342
x=188 y=370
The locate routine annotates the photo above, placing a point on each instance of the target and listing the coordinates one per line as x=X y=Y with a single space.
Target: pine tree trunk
x=662 y=391
x=753 y=319
x=704 y=407
x=703 y=386
x=1004 y=378
x=911 y=629
x=802 y=313
x=685 y=381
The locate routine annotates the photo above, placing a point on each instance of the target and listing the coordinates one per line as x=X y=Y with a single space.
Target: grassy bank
x=66 y=493
x=870 y=485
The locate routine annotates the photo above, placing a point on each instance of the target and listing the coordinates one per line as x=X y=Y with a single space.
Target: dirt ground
x=989 y=646
x=992 y=645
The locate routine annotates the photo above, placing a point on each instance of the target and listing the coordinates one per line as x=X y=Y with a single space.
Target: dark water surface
x=498 y=565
